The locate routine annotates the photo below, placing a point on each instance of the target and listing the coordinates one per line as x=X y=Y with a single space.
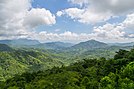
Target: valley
x=20 y=56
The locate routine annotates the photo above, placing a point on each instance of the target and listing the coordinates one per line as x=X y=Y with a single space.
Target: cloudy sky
x=67 y=20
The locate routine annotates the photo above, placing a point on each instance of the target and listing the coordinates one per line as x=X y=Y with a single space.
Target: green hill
x=4 y=47
x=89 y=45
x=20 y=61
x=53 y=45
x=115 y=73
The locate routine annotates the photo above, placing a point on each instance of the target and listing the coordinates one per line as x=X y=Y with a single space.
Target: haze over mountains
x=23 y=55
x=61 y=45
x=90 y=48
x=20 y=42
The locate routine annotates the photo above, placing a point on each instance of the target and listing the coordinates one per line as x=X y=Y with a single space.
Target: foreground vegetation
x=116 y=73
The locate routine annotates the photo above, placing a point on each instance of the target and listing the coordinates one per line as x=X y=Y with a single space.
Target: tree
x=121 y=54
x=128 y=71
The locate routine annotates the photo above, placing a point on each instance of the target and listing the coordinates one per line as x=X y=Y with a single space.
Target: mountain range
x=90 y=44
x=19 y=42
x=19 y=56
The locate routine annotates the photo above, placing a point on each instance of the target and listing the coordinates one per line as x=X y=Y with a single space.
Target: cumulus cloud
x=18 y=17
x=66 y=36
x=98 y=11
x=37 y=16
x=114 y=6
x=110 y=31
x=129 y=21
x=59 y=13
x=118 y=31
x=100 y=33
x=86 y=15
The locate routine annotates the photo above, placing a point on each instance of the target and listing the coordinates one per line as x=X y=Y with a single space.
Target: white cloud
x=79 y=2
x=95 y=11
x=59 y=13
x=66 y=36
x=37 y=16
x=18 y=19
x=17 y=15
x=129 y=21
x=92 y=17
x=131 y=36
x=100 y=33
x=110 y=31
x=116 y=32
x=85 y=15
x=113 y=6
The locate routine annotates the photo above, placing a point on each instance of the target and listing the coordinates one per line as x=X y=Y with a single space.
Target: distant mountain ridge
x=53 y=45
x=27 y=43
x=89 y=45
x=123 y=44
x=19 y=42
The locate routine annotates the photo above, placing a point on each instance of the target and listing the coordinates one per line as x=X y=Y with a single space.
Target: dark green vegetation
x=5 y=48
x=21 y=60
x=116 y=73
x=56 y=65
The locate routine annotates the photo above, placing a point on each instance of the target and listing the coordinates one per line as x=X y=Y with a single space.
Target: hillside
x=53 y=45
x=84 y=46
x=89 y=45
x=116 y=73
x=5 y=48
x=20 y=61
x=33 y=59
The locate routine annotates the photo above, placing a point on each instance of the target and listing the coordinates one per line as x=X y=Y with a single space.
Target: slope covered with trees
x=25 y=60
x=115 y=73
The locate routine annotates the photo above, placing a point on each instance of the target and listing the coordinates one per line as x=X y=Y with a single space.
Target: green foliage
x=121 y=54
x=128 y=71
x=20 y=61
x=42 y=69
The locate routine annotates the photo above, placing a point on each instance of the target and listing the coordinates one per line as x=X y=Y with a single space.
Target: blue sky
x=52 y=5
x=63 y=23
x=67 y=20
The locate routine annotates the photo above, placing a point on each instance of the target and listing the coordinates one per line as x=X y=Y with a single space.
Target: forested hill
x=6 y=48
x=89 y=45
x=25 y=60
x=53 y=45
x=115 y=73
x=17 y=60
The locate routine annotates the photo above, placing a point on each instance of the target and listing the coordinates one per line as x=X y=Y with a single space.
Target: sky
x=67 y=20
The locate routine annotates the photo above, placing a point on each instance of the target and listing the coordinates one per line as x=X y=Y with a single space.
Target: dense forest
x=28 y=64
x=100 y=73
